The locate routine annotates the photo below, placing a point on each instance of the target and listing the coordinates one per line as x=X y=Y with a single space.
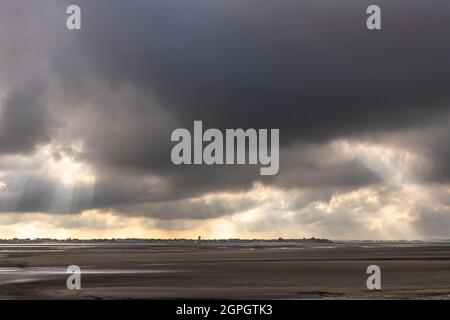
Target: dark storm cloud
x=24 y=121
x=30 y=35
x=312 y=70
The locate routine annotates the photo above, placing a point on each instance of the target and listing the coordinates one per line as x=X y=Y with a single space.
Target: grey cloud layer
x=135 y=72
x=24 y=121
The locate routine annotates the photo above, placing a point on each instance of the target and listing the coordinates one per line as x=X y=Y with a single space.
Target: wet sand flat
x=226 y=272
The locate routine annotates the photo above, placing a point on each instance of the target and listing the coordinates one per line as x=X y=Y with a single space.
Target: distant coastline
x=166 y=241
x=232 y=241
x=217 y=242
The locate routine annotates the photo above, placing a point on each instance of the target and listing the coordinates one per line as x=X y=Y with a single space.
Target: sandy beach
x=148 y=271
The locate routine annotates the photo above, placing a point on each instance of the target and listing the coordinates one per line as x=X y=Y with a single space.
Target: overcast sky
x=86 y=118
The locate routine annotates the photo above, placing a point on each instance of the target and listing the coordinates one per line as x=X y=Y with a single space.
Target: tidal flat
x=197 y=271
